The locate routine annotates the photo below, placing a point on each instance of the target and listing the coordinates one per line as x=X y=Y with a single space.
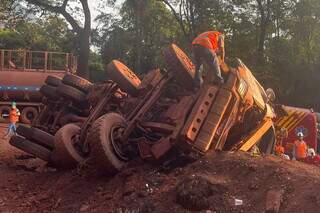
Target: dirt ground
x=27 y=185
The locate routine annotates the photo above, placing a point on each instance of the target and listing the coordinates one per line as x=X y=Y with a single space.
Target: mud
x=215 y=181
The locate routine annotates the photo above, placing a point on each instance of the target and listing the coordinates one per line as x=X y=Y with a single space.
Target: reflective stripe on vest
x=208 y=39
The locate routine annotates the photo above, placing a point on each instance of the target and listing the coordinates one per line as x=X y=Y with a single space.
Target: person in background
x=312 y=158
x=279 y=148
x=300 y=148
x=13 y=118
x=206 y=47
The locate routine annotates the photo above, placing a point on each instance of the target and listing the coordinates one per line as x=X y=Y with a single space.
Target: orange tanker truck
x=22 y=73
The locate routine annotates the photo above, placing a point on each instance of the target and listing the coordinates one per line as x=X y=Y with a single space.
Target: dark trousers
x=202 y=54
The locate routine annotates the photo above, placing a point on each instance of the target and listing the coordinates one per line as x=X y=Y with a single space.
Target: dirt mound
x=200 y=193
x=211 y=183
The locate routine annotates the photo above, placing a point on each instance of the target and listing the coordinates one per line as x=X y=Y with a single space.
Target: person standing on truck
x=300 y=148
x=13 y=118
x=206 y=47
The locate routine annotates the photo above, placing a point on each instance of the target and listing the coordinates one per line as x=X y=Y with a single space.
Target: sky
x=93 y=4
x=94 y=8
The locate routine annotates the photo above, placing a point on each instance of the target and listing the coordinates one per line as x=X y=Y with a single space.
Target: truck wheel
x=77 y=82
x=65 y=155
x=37 y=136
x=28 y=115
x=122 y=75
x=105 y=147
x=71 y=92
x=50 y=92
x=4 y=110
x=31 y=148
x=181 y=65
x=53 y=81
x=267 y=142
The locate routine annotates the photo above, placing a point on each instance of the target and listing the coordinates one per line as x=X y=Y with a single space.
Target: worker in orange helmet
x=13 y=118
x=206 y=47
x=300 y=148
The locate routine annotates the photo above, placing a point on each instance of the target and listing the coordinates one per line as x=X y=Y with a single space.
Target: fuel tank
x=23 y=85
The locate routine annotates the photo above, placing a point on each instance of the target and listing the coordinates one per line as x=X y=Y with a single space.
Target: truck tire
x=4 y=110
x=77 y=82
x=53 y=81
x=267 y=143
x=124 y=77
x=30 y=148
x=181 y=65
x=72 y=93
x=50 y=92
x=28 y=115
x=65 y=155
x=100 y=139
x=37 y=136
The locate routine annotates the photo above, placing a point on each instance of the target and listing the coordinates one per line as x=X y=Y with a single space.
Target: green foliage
x=50 y=33
x=138 y=38
x=96 y=67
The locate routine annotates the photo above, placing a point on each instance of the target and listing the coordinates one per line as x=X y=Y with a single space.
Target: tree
x=47 y=33
x=83 y=32
x=139 y=36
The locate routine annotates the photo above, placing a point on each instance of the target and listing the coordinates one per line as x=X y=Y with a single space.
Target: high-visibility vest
x=301 y=149
x=14 y=115
x=208 y=39
x=279 y=150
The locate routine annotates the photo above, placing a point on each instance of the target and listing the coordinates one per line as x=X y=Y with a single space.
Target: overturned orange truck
x=168 y=114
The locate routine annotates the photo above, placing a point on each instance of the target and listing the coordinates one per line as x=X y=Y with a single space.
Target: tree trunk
x=84 y=38
x=83 y=60
x=82 y=33
x=262 y=37
x=265 y=14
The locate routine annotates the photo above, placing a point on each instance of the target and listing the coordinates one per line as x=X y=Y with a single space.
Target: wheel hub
x=30 y=115
x=118 y=146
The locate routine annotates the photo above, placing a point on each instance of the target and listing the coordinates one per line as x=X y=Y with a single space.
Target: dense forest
x=279 y=40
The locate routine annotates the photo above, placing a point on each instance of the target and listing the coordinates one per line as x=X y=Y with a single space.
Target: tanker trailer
x=22 y=73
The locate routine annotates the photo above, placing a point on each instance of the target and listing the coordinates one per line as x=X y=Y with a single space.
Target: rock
x=128 y=192
x=274 y=200
x=84 y=208
x=253 y=186
x=193 y=193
